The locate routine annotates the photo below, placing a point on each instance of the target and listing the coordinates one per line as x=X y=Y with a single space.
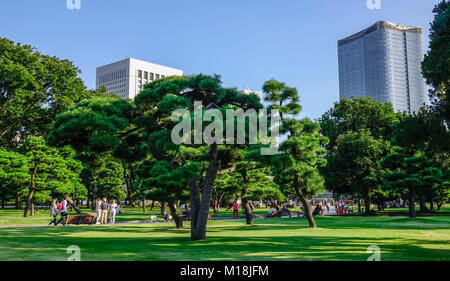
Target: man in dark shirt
x=104 y=207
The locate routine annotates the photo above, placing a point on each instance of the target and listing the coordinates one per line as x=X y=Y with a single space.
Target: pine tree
x=301 y=154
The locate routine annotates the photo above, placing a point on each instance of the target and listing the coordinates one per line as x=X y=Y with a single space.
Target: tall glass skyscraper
x=384 y=62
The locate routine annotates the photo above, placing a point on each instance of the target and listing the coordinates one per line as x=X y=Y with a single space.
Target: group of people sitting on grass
x=318 y=210
x=342 y=207
x=106 y=210
x=185 y=210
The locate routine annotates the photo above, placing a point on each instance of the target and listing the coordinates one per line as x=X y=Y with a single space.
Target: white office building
x=248 y=91
x=126 y=78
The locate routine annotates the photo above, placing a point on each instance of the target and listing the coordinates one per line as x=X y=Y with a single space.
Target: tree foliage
x=436 y=65
x=34 y=88
x=13 y=175
x=355 y=165
x=41 y=171
x=359 y=130
x=411 y=176
x=301 y=155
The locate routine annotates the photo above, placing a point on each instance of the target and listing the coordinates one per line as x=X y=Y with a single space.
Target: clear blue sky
x=245 y=41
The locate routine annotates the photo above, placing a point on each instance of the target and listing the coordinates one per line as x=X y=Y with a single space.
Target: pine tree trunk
x=17 y=202
x=245 y=202
x=129 y=171
x=153 y=205
x=93 y=190
x=30 y=193
x=307 y=210
x=200 y=206
x=176 y=217
x=367 y=203
x=359 y=203
x=247 y=211
x=74 y=206
x=306 y=206
x=412 y=203
x=422 y=203
x=3 y=202
x=26 y=213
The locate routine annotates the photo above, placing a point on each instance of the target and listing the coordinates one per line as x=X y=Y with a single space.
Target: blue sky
x=245 y=41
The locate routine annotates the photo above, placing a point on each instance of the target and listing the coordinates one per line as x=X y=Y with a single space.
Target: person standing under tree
x=98 y=210
x=104 y=207
x=112 y=212
x=235 y=210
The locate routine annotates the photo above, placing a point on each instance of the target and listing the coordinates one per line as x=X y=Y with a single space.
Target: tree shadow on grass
x=282 y=239
x=222 y=248
x=345 y=223
x=384 y=222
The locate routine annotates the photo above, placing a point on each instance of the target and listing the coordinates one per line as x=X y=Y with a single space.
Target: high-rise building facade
x=384 y=62
x=127 y=77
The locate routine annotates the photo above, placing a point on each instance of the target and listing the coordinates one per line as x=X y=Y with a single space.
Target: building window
x=145 y=75
x=157 y=76
x=139 y=73
x=151 y=76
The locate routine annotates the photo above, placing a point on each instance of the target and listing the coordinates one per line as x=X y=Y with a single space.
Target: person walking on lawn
x=104 y=207
x=62 y=210
x=54 y=211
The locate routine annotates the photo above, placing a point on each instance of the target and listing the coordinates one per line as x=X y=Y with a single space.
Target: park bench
x=80 y=219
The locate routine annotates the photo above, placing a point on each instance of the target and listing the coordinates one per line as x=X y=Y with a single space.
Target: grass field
x=337 y=238
x=15 y=217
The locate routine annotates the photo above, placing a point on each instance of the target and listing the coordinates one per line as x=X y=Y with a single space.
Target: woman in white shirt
x=112 y=211
x=54 y=210
x=98 y=210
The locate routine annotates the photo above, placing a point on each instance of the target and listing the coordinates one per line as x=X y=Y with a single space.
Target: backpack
x=60 y=206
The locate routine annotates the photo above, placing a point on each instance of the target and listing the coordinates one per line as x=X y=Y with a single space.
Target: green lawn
x=337 y=238
x=15 y=217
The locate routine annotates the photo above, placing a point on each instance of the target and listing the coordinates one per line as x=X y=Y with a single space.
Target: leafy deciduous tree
x=34 y=88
